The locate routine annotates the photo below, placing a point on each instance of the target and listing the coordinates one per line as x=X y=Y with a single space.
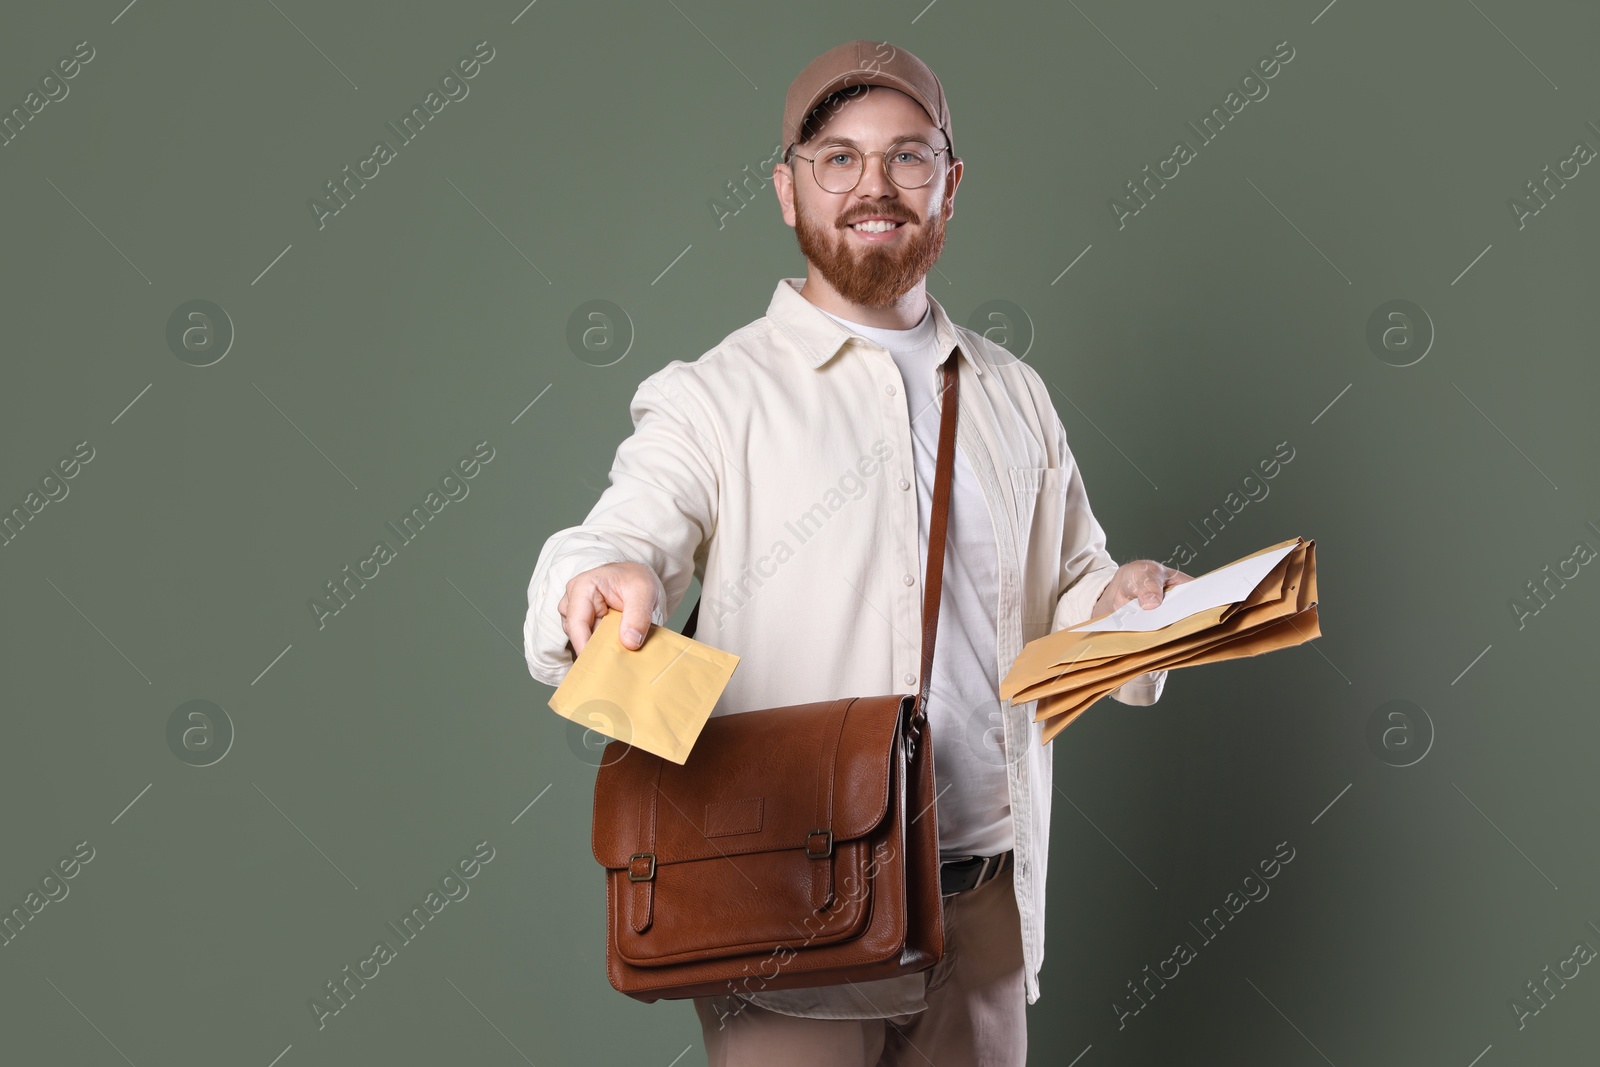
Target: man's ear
x=954 y=179
x=783 y=186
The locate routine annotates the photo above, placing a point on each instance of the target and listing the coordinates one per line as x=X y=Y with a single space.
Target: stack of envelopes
x=1259 y=603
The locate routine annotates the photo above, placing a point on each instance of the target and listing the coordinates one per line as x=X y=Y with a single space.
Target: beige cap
x=862 y=63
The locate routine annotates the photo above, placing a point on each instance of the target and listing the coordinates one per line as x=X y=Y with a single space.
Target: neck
x=904 y=314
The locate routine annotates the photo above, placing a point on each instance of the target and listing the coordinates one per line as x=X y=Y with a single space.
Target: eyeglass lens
x=910 y=163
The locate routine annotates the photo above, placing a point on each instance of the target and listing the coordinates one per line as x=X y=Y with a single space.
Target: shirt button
x=908 y=580
x=911 y=679
x=904 y=484
x=889 y=389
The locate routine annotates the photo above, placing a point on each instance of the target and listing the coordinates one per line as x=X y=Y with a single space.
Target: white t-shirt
x=974 y=808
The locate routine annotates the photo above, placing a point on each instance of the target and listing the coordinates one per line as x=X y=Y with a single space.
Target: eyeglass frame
x=884 y=152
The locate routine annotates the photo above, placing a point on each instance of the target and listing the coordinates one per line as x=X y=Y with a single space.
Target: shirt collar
x=820 y=338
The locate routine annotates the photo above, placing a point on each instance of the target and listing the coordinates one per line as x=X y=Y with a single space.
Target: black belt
x=958 y=876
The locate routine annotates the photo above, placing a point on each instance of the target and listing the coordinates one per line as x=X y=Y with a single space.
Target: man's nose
x=875 y=178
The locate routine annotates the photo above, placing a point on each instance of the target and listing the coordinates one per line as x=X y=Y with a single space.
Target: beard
x=871 y=275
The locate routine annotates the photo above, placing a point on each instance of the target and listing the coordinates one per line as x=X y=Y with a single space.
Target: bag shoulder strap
x=944 y=468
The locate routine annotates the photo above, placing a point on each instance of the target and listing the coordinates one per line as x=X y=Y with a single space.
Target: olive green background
x=360 y=759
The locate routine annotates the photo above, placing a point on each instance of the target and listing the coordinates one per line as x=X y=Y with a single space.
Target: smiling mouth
x=876 y=226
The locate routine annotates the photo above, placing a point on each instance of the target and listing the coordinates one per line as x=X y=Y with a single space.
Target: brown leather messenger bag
x=796 y=846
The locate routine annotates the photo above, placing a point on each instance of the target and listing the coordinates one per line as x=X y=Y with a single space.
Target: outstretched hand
x=630 y=588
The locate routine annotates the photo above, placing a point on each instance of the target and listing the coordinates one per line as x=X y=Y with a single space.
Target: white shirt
x=777 y=469
x=974 y=808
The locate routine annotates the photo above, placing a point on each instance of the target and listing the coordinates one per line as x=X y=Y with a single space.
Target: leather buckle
x=651 y=873
x=819 y=855
x=988 y=867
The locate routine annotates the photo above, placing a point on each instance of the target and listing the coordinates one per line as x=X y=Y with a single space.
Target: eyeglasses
x=909 y=164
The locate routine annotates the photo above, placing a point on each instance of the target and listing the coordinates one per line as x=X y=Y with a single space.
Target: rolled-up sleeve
x=1086 y=569
x=659 y=510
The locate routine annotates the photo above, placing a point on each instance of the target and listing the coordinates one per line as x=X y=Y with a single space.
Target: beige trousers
x=976 y=1014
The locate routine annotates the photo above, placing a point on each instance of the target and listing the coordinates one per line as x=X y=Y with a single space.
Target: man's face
x=873 y=270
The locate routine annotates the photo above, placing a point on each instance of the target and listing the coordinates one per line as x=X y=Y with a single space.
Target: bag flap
x=755 y=781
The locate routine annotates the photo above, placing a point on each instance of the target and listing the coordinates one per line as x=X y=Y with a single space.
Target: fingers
x=631 y=589
x=1131 y=582
x=1152 y=581
x=626 y=587
x=635 y=618
x=1145 y=583
x=578 y=611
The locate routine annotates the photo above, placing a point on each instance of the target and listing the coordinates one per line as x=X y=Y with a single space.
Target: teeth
x=874 y=226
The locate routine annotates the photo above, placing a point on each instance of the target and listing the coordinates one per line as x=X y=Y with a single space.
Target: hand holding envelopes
x=656 y=697
x=1258 y=603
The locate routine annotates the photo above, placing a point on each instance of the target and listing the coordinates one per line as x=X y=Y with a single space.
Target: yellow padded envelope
x=656 y=697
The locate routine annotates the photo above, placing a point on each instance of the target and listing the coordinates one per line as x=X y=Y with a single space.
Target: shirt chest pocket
x=1040 y=498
